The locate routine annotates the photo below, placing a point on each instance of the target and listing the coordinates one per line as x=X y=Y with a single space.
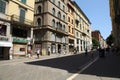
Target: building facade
x=5 y=34
x=19 y=29
x=115 y=18
x=70 y=20
x=50 y=34
x=82 y=30
x=97 y=35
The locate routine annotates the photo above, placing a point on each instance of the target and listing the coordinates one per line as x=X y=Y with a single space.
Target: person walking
x=92 y=53
x=38 y=53
x=86 y=52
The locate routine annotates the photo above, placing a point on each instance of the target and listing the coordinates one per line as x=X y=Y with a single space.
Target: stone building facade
x=50 y=34
x=82 y=30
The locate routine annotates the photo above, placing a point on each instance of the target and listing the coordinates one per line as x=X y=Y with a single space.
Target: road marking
x=76 y=74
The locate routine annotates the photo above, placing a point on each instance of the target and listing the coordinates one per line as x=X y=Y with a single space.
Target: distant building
x=97 y=35
x=82 y=30
x=71 y=27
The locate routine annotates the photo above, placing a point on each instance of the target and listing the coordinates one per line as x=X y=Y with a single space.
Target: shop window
x=3 y=30
x=22 y=49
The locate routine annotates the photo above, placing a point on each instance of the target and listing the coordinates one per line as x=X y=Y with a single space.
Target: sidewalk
x=33 y=58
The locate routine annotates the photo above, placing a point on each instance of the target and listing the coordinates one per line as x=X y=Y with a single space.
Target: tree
x=110 y=40
x=95 y=42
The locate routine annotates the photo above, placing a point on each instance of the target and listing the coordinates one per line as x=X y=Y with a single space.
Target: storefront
x=19 y=47
x=5 y=50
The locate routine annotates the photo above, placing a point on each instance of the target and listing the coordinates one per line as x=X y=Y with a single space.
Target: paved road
x=59 y=68
x=107 y=68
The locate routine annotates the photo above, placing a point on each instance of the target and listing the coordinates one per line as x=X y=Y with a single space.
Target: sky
x=98 y=13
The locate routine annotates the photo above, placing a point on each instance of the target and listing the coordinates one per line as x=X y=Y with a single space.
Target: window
x=64 y=27
x=72 y=30
x=59 y=25
x=53 y=1
x=3 y=30
x=63 y=17
x=63 y=1
x=22 y=15
x=77 y=34
x=53 y=11
x=23 y=1
x=77 y=41
x=72 y=21
x=39 y=9
x=69 y=28
x=63 y=8
x=38 y=21
x=53 y=23
x=2 y=6
x=68 y=19
x=59 y=4
x=59 y=15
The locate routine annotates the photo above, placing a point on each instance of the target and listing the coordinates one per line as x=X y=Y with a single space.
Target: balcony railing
x=21 y=20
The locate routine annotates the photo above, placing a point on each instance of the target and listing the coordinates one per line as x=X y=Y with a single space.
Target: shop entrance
x=59 y=48
x=1 y=53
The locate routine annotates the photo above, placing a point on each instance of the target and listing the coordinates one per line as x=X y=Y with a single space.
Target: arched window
x=63 y=8
x=53 y=23
x=53 y=1
x=63 y=17
x=53 y=11
x=38 y=21
x=59 y=4
x=59 y=15
x=64 y=27
x=39 y=9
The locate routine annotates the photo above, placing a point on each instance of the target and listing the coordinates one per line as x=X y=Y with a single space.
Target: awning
x=6 y=44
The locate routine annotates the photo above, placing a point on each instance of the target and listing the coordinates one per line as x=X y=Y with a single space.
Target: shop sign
x=20 y=40
x=3 y=39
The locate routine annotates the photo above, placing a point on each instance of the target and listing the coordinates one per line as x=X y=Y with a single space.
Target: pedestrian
x=86 y=52
x=92 y=53
x=59 y=51
x=38 y=53
x=48 y=51
x=29 y=53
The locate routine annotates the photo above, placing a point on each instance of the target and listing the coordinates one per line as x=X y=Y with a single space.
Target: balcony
x=19 y=19
x=5 y=17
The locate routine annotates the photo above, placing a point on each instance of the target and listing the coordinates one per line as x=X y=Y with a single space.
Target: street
x=61 y=68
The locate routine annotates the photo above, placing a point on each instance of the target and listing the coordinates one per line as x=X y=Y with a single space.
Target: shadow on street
x=69 y=63
x=103 y=67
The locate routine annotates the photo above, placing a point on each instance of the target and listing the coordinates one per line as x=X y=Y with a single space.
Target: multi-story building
x=97 y=35
x=50 y=34
x=18 y=30
x=115 y=18
x=70 y=20
x=5 y=34
x=82 y=30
